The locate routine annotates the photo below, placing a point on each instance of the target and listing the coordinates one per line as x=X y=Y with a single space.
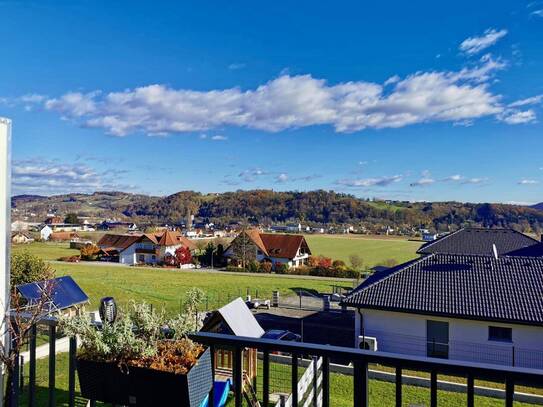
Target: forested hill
x=265 y=206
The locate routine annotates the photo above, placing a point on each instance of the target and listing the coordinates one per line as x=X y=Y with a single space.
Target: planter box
x=138 y=386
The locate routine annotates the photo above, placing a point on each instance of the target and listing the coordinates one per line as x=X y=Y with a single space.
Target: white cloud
x=370 y=182
x=291 y=102
x=218 y=137
x=425 y=180
x=538 y=13
x=528 y=101
x=283 y=177
x=474 y=45
x=474 y=180
x=40 y=176
x=250 y=175
x=455 y=177
x=514 y=116
x=528 y=182
x=74 y=104
x=236 y=66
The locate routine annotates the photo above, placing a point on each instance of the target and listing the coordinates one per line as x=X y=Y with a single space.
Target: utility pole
x=5 y=224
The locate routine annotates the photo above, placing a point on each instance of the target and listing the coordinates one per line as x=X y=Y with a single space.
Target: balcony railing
x=360 y=360
x=320 y=354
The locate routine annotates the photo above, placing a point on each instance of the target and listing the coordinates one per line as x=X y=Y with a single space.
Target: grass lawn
x=374 y=250
x=46 y=250
x=166 y=287
x=381 y=394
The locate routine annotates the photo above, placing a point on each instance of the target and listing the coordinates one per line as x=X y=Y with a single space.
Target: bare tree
x=16 y=326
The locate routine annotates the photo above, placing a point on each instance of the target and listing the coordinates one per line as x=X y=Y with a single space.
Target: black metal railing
x=360 y=359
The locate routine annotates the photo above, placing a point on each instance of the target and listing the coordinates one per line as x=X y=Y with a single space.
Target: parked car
x=282 y=335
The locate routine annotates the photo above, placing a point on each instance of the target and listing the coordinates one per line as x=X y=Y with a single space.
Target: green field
x=166 y=287
x=375 y=250
x=47 y=251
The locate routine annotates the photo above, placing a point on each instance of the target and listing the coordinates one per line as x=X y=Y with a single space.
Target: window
x=500 y=334
x=141 y=258
x=437 y=339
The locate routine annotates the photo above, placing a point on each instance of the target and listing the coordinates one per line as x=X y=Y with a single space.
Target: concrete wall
x=468 y=340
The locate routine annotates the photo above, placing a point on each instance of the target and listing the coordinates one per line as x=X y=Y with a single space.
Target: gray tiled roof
x=507 y=289
x=479 y=241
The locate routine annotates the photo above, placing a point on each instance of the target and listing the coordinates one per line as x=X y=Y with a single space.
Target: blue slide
x=220 y=394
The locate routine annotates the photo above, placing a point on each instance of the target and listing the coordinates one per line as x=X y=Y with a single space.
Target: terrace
x=308 y=366
x=307 y=372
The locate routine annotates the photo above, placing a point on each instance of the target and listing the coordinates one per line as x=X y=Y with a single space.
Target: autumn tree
x=183 y=255
x=357 y=263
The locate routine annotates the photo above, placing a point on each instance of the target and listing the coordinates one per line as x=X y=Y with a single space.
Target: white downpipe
x=5 y=224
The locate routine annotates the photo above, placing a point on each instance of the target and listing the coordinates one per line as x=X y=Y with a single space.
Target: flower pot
x=136 y=386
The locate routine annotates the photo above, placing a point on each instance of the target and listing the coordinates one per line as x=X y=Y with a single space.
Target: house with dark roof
x=480 y=241
x=288 y=249
x=470 y=306
x=143 y=248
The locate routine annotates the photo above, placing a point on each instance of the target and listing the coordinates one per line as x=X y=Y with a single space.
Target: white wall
x=468 y=340
x=128 y=256
x=5 y=210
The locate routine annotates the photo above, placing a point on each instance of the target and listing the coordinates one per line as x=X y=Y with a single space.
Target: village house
x=64 y=237
x=21 y=237
x=290 y=250
x=470 y=297
x=142 y=248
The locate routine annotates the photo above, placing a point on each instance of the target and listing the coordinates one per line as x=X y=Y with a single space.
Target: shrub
x=138 y=337
x=266 y=267
x=281 y=268
x=27 y=268
x=338 y=264
x=253 y=267
x=89 y=252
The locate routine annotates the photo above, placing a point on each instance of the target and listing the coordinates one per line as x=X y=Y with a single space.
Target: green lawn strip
x=374 y=251
x=381 y=393
x=457 y=379
x=167 y=287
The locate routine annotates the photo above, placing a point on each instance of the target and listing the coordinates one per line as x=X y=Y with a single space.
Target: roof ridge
x=401 y=267
x=424 y=246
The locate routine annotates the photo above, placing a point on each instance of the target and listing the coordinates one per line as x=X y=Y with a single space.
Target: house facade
x=290 y=250
x=473 y=307
x=148 y=248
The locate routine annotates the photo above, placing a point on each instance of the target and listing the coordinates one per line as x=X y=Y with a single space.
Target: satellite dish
x=495 y=251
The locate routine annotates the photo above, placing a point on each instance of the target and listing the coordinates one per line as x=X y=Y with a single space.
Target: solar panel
x=62 y=292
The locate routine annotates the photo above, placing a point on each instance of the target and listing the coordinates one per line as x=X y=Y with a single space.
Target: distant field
x=46 y=250
x=166 y=287
x=373 y=249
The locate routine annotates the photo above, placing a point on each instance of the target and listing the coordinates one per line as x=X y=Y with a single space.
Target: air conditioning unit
x=367 y=343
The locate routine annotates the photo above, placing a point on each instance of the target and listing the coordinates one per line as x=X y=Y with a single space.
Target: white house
x=45 y=232
x=466 y=307
x=148 y=248
x=291 y=250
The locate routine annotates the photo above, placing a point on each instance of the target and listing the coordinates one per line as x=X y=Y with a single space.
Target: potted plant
x=143 y=359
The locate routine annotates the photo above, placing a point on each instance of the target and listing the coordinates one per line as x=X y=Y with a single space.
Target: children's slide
x=220 y=394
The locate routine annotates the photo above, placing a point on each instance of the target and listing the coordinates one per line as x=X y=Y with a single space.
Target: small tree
x=27 y=268
x=72 y=219
x=89 y=252
x=183 y=255
x=357 y=263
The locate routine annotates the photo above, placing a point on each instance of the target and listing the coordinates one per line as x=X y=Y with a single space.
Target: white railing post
x=5 y=224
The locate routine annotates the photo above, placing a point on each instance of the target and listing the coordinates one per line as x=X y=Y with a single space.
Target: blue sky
x=411 y=101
